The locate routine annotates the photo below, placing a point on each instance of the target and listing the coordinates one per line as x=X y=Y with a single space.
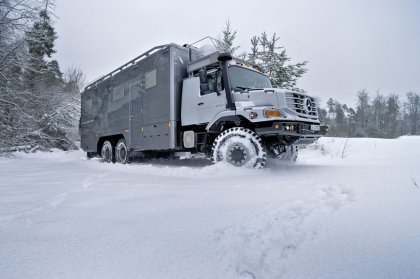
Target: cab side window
x=214 y=82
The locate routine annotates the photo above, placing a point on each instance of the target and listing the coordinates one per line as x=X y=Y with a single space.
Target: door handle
x=200 y=104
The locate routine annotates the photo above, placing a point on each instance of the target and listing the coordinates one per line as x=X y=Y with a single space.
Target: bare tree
x=40 y=115
x=378 y=110
x=75 y=80
x=362 y=112
x=15 y=19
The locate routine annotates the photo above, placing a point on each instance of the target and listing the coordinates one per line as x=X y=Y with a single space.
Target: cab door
x=213 y=100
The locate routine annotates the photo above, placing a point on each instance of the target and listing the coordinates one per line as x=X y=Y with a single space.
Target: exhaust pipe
x=224 y=58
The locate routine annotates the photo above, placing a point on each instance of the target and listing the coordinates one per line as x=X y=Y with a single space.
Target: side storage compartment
x=156 y=136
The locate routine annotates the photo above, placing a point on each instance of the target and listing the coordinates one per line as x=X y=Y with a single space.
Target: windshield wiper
x=241 y=88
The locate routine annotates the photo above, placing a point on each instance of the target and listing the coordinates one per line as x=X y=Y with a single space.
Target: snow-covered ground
x=346 y=209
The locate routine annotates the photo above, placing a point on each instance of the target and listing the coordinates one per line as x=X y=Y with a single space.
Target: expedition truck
x=175 y=100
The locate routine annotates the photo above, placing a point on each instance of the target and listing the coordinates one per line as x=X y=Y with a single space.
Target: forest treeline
x=373 y=116
x=39 y=104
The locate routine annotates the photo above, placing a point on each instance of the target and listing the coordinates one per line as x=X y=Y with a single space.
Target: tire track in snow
x=261 y=247
x=51 y=203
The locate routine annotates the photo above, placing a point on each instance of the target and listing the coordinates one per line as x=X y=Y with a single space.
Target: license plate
x=315 y=127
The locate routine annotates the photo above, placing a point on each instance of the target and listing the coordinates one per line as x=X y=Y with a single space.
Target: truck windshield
x=244 y=79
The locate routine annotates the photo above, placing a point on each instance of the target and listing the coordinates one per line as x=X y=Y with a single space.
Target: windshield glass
x=243 y=79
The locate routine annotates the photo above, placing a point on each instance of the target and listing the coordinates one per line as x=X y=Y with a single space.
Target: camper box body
x=140 y=101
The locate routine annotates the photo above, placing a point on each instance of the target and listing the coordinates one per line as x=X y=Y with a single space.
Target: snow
x=348 y=208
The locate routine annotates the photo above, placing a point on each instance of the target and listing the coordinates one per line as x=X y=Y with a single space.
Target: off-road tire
x=90 y=155
x=240 y=147
x=121 y=152
x=107 y=152
x=290 y=154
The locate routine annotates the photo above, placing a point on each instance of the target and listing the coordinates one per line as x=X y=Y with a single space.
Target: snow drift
x=347 y=209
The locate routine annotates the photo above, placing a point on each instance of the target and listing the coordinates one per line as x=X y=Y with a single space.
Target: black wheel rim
x=237 y=155
x=123 y=154
x=107 y=155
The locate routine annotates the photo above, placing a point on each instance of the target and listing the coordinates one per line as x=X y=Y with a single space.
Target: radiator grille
x=303 y=105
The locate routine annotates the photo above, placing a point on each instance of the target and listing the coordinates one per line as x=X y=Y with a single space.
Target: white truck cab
x=221 y=92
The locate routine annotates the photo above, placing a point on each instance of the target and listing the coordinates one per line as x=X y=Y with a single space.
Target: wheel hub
x=107 y=154
x=123 y=153
x=237 y=155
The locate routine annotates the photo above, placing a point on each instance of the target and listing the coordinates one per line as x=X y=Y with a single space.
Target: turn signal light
x=272 y=113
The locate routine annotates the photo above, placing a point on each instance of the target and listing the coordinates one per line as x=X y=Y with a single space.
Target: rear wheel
x=107 y=152
x=284 y=152
x=240 y=147
x=90 y=155
x=121 y=152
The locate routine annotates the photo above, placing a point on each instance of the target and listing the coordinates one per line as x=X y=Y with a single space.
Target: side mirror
x=204 y=86
x=203 y=76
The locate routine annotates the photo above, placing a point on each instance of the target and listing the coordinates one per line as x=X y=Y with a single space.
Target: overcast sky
x=350 y=45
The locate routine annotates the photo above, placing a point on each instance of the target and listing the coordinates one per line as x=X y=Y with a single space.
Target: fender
x=224 y=115
x=238 y=115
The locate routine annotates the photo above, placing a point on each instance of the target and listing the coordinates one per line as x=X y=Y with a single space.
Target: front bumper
x=302 y=132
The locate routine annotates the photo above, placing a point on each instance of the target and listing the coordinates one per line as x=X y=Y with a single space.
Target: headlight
x=253 y=115
x=272 y=113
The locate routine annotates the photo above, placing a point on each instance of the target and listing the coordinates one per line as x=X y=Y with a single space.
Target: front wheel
x=239 y=147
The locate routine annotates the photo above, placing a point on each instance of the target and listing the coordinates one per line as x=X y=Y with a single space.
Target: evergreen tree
x=40 y=40
x=265 y=53
x=392 y=115
x=53 y=75
x=226 y=41
x=331 y=107
x=253 y=55
x=275 y=62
